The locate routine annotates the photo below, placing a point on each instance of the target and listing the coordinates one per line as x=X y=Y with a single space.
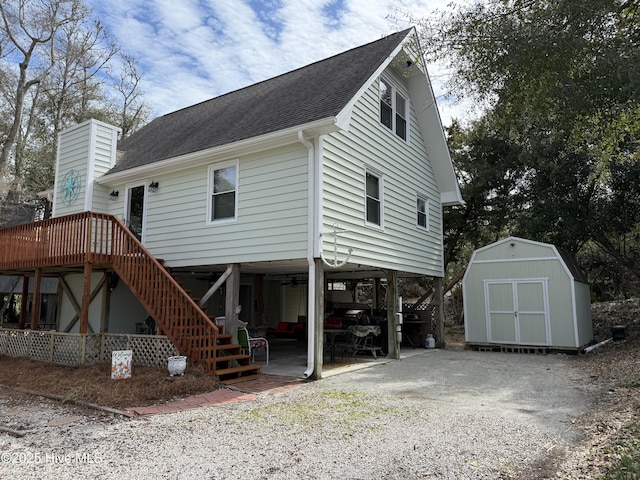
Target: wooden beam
x=74 y=303
x=232 y=302
x=24 y=303
x=67 y=290
x=6 y=304
x=106 y=304
x=59 y=294
x=438 y=299
x=216 y=286
x=376 y=293
x=392 y=309
x=86 y=297
x=258 y=302
x=445 y=289
x=318 y=295
x=36 y=301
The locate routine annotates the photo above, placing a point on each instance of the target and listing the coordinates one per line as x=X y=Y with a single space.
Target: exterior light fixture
x=153 y=186
x=114 y=195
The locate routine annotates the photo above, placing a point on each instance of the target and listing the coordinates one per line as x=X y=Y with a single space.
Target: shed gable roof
x=318 y=91
x=563 y=256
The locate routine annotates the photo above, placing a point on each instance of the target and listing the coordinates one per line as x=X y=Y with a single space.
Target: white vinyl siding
x=515 y=261
x=271 y=217
x=87 y=149
x=105 y=141
x=73 y=151
x=406 y=170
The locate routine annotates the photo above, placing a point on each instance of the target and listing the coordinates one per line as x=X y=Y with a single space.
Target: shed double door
x=518 y=312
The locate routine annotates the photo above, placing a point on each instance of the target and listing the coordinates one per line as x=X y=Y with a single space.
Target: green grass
x=344 y=407
x=628 y=448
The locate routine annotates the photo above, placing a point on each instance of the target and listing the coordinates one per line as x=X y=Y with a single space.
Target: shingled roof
x=318 y=91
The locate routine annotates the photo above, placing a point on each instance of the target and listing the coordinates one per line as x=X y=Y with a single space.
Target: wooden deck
x=87 y=241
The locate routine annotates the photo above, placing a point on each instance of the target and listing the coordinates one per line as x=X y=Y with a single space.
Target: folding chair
x=251 y=344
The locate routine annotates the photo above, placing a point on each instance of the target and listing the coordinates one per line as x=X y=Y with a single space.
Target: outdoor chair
x=220 y=323
x=364 y=336
x=345 y=344
x=251 y=344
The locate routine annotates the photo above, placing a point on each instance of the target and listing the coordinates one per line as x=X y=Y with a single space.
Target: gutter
x=311 y=285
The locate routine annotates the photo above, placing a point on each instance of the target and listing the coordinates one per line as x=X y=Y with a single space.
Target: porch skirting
x=85 y=349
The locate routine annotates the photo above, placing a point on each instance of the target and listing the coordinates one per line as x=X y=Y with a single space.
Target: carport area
x=288 y=357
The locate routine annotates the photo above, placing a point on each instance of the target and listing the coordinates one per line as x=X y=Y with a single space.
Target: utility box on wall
x=526 y=293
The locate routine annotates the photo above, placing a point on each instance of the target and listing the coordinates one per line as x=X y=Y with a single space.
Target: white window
x=373 y=195
x=394 y=108
x=337 y=286
x=422 y=208
x=223 y=189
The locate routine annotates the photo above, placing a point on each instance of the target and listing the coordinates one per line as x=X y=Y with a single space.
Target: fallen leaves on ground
x=93 y=384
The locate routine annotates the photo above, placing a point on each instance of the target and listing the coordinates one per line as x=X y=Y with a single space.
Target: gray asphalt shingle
x=314 y=92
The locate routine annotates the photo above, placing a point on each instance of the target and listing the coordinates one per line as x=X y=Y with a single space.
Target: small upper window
x=393 y=109
x=423 y=213
x=374 y=198
x=224 y=184
x=386 y=105
x=401 y=116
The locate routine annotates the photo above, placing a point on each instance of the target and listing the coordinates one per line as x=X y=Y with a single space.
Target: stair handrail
x=101 y=238
x=135 y=254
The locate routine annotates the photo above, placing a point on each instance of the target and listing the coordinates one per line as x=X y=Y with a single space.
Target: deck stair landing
x=94 y=240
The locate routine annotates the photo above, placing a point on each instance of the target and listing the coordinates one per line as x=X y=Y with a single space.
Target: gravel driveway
x=444 y=414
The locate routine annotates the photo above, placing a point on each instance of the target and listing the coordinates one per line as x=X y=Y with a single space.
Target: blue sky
x=193 y=50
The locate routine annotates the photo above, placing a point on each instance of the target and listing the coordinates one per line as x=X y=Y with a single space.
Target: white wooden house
x=336 y=170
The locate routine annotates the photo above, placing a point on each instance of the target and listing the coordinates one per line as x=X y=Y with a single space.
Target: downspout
x=311 y=286
x=597 y=345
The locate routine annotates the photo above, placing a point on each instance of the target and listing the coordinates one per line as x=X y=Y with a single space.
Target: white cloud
x=193 y=50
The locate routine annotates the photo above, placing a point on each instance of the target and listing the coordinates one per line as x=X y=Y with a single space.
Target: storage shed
x=526 y=293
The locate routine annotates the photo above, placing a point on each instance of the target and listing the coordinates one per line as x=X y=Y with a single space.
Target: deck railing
x=101 y=239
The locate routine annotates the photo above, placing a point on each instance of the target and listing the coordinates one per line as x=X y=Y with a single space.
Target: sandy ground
x=441 y=414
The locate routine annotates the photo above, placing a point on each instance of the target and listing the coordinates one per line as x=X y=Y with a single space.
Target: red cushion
x=283 y=327
x=333 y=322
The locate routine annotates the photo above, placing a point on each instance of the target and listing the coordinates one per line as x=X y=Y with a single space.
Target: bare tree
x=74 y=82
x=30 y=29
x=58 y=67
x=133 y=111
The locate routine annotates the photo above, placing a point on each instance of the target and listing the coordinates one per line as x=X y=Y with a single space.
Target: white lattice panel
x=152 y=351
x=66 y=348
x=112 y=342
x=18 y=344
x=40 y=346
x=77 y=349
x=92 y=349
x=3 y=341
x=148 y=350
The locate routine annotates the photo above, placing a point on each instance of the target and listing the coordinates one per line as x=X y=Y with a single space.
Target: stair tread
x=225 y=358
x=224 y=339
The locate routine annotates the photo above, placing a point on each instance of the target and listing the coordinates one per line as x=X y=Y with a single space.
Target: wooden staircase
x=98 y=240
x=230 y=363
